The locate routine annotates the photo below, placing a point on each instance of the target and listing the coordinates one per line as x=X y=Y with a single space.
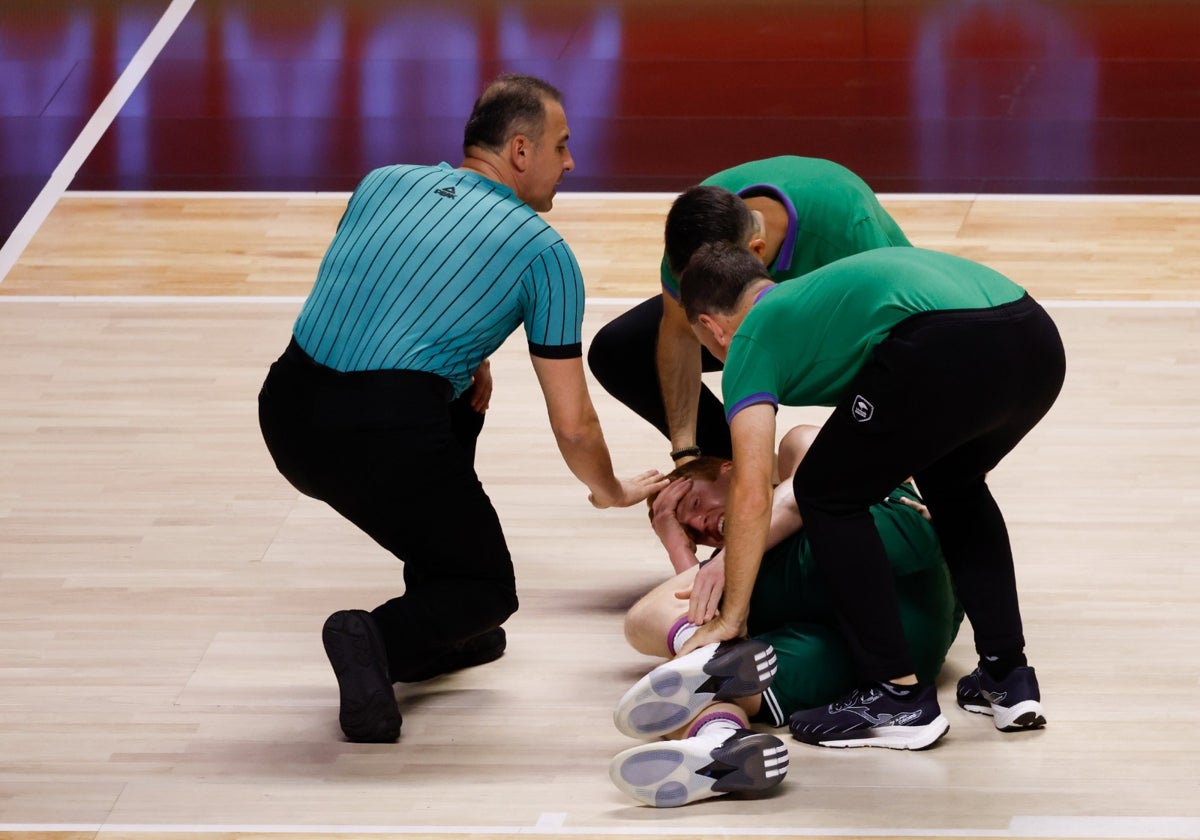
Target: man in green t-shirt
x=936 y=367
x=795 y=214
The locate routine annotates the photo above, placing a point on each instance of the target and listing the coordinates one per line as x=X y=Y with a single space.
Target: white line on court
x=103 y=117
x=1083 y=828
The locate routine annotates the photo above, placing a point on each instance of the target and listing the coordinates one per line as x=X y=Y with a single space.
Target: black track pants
x=944 y=398
x=622 y=358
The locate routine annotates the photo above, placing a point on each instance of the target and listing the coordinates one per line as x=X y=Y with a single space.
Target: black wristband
x=687 y=452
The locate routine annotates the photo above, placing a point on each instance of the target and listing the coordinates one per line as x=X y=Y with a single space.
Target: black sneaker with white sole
x=666 y=774
x=674 y=692
x=368 y=712
x=1015 y=702
x=874 y=717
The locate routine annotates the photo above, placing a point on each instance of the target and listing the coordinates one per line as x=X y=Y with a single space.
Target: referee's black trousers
x=392 y=453
x=944 y=398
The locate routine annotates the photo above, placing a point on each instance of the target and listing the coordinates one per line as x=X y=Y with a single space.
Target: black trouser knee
x=623 y=358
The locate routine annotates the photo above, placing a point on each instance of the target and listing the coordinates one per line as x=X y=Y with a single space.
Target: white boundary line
x=1086 y=828
x=103 y=117
x=190 y=195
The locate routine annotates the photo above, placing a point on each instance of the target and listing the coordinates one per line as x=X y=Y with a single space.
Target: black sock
x=1000 y=665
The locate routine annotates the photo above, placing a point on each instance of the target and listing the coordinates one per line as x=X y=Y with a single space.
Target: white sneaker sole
x=1024 y=715
x=895 y=737
x=674 y=692
x=667 y=774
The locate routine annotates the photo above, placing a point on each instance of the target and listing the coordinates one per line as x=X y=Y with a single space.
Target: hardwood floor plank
x=1113 y=248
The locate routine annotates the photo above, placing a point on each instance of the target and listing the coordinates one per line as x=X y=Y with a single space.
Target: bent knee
x=602 y=355
x=644 y=629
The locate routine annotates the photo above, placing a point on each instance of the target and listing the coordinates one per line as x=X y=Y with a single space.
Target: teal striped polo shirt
x=431 y=269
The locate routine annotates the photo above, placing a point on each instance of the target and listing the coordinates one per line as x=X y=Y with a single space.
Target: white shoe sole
x=674 y=692
x=667 y=774
x=895 y=737
x=1024 y=715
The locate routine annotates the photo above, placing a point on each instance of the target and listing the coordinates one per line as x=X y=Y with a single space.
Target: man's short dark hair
x=704 y=214
x=512 y=104
x=715 y=278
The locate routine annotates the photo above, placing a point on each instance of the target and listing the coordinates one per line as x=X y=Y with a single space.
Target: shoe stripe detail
x=674 y=773
x=775 y=761
x=774 y=709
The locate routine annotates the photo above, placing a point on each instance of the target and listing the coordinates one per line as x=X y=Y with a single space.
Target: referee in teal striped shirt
x=376 y=404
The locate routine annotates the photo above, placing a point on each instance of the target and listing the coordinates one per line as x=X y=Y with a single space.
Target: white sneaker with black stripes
x=674 y=692
x=666 y=774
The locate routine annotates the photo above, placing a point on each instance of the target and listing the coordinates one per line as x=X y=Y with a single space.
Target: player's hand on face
x=664 y=520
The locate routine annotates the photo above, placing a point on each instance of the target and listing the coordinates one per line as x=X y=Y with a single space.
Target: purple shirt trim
x=783 y=262
x=763 y=293
x=746 y=402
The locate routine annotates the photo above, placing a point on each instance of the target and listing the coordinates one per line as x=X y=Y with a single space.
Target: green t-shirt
x=802 y=343
x=832 y=213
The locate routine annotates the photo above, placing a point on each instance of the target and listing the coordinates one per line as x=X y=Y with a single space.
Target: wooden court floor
x=162 y=588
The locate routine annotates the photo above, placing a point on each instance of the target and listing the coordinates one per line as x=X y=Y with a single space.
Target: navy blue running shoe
x=1015 y=703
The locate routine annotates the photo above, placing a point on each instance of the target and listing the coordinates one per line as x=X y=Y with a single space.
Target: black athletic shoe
x=488 y=646
x=671 y=695
x=670 y=773
x=874 y=717
x=368 y=714
x=1014 y=702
